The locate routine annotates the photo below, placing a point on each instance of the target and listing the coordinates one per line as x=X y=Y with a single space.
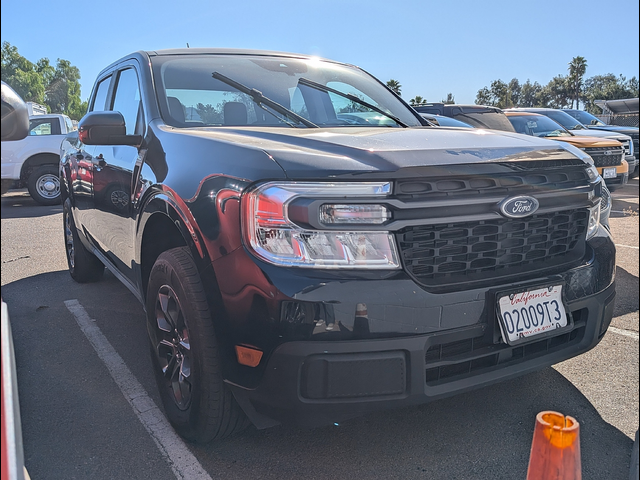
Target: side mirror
x=15 y=115
x=105 y=128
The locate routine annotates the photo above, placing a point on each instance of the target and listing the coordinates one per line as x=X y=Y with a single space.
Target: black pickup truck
x=307 y=247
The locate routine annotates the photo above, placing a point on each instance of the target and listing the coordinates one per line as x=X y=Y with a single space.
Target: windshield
x=538 y=126
x=586 y=118
x=482 y=118
x=256 y=90
x=450 y=122
x=564 y=119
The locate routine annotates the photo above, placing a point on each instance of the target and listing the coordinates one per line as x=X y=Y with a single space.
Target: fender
x=161 y=200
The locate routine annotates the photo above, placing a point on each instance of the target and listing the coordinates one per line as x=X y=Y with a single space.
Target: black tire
x=635 y=172
x=184 y=352
x=84 y=266
x=44 y=185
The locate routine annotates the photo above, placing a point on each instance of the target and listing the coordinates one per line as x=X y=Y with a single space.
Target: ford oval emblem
x=518 y=207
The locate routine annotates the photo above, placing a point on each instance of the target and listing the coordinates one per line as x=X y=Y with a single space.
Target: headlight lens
x=592 y=172
x=594 y=221
x=278 y=240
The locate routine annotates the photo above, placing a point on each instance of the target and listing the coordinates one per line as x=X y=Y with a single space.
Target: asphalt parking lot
x=81 y=420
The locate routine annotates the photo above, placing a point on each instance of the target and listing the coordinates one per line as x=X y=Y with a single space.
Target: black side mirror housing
x=105 y=128
x=15 y=115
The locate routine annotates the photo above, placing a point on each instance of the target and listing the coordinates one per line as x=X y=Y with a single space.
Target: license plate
x=609 y=172
x=534 y=312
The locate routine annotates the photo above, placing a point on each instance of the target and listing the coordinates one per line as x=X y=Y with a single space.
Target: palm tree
x=395 y=86
x=577 y=69
x=418 y=100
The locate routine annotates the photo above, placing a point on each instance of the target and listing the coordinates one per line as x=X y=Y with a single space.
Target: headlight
x=592 y=172
x=594 y=221
x=275 y=238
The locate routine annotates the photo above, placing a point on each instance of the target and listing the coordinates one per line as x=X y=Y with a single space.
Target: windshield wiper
x=353 y=98
x=263 y=101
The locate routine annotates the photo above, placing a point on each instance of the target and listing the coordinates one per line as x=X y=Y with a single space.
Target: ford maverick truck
x=308 y=248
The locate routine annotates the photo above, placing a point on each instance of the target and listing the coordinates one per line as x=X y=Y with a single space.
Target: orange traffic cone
x=555 y=449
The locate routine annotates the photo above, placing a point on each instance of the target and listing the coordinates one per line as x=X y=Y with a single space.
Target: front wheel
x=44 y=185
x=185 y=354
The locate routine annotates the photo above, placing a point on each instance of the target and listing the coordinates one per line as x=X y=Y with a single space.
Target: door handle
x=99 y=162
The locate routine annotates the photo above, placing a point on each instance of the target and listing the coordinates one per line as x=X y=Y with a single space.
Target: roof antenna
x=187 y=44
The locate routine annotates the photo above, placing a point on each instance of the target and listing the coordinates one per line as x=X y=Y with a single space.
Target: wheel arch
x=164 y=226
x=37 y=160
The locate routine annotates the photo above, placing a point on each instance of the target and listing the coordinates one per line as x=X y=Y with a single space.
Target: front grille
x=605 y=157
x=481 y=251
x=459 y=359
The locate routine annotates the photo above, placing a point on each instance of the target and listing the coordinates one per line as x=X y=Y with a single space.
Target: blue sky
x=431 y=47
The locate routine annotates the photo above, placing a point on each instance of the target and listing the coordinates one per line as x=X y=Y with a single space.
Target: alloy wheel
x=173 y=347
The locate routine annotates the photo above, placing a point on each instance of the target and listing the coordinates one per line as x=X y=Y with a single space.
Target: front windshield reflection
x=189 y=96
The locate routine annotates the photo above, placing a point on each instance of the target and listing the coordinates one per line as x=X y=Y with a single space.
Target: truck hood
x=304 y=153
x=615 y=128
x=602 y=134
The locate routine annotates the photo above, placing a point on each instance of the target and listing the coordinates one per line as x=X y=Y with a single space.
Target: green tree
x=500 y=95
x=515 y=90
x=21 y=74
x=58 y=88
x=608 y=87
x=63 y=89
x=529 y=93
x=483 y=97
x=418 y=100
x=577 y=69
x=558 y=92
x=632 y=86
x=395 y=86
x=450 y=100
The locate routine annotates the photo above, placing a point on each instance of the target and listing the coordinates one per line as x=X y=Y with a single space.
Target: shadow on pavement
x=20 y=205
x=485 y=434
x=626 y=292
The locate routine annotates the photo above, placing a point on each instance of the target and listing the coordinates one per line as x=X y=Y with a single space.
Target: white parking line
x=625 y=246
x=626 y=333
x=183 y=463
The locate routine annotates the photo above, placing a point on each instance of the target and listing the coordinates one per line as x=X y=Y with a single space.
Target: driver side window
x=126 y=99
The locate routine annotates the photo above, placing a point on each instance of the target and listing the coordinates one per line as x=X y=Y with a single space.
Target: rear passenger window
x=44 y=126
x=101 y=95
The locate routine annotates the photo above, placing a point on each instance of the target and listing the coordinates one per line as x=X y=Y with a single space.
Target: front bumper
x=633 y=162
x=442 y=350
x=622 y=173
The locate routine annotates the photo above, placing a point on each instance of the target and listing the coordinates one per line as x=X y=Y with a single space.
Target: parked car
x=297 y=267
x=443 y=121
x=577 y=128
x=33 y=161
x=607 y=154
x=594 y=123
x=479 y=116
